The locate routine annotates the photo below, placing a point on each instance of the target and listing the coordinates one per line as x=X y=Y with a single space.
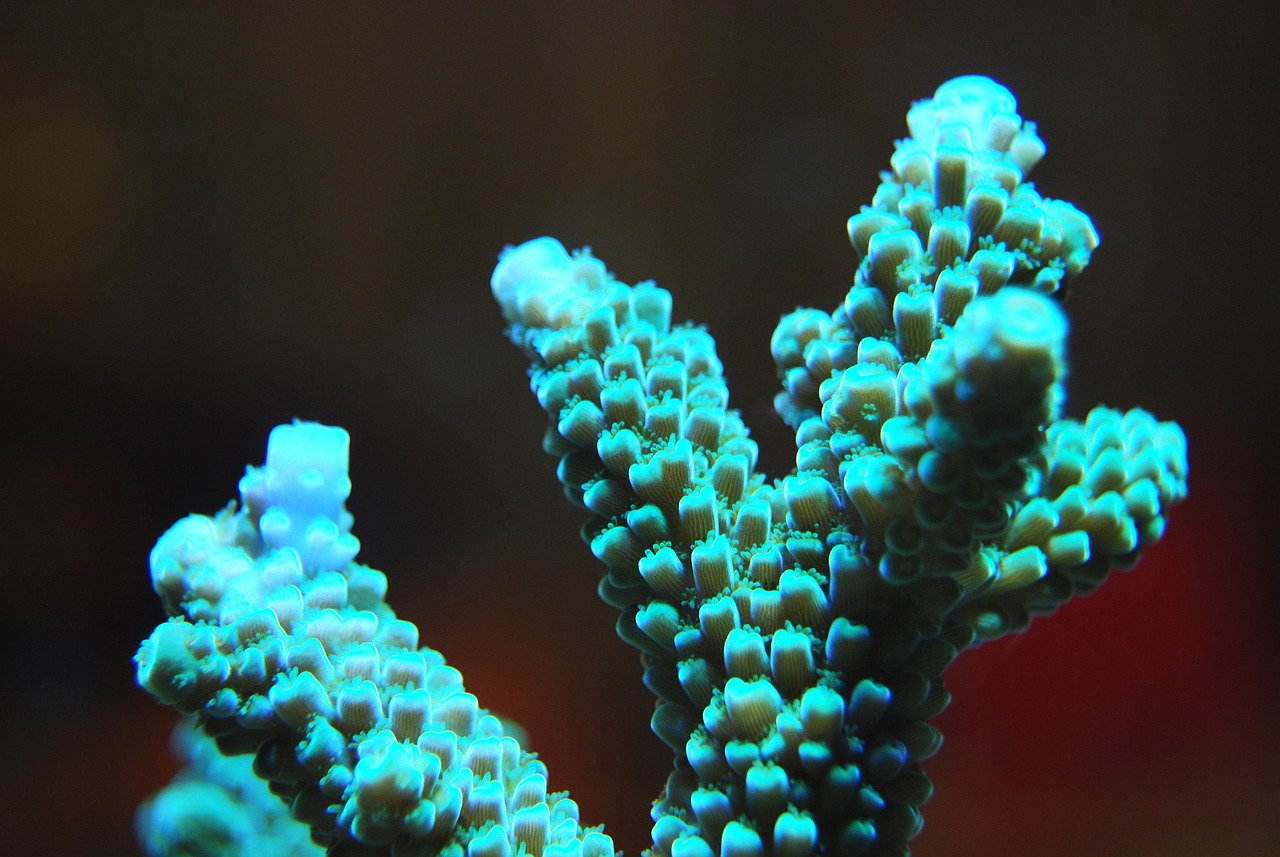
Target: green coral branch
x=284 y=648
x=795 y=632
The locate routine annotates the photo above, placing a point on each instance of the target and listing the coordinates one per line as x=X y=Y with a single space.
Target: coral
x=794 y=631
x=217 y=805
x=284 y=647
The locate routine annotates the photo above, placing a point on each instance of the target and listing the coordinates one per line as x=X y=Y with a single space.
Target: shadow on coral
x=214 y=223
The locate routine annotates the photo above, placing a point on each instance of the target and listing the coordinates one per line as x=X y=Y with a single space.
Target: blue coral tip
x=524 y=262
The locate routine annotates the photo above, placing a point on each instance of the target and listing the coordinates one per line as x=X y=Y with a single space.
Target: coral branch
x=795 y=632
x=285 y=648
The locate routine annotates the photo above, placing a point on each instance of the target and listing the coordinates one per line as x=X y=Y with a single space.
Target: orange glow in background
x=215 y=220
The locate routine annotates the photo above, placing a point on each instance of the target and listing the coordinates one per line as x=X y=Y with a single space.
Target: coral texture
x=285 y=648
x=218 y=806
x=794 y=632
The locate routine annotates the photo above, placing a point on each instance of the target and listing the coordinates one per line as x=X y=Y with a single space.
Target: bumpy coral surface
x=795 y=632
x=285 y=648
x=218 y=806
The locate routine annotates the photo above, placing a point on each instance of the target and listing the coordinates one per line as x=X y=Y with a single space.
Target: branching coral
x=795 y=631
x=285 y=648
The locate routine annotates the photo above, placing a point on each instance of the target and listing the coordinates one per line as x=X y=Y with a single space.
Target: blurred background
x=214 y=220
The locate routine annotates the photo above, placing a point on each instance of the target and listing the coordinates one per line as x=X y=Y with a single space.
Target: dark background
x=215 y=219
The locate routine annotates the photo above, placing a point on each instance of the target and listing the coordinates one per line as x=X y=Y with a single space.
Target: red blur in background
x=214 y=220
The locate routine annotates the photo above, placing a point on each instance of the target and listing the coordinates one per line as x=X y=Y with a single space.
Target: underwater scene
x=730 y=431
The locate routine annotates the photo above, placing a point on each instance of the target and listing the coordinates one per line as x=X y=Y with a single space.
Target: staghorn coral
x=285 y=648
x=793 y=631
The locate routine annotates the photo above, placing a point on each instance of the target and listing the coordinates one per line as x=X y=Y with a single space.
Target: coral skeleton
x=793 y=631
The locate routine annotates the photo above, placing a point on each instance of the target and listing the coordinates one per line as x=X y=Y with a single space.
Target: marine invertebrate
x=217 y=805
x=285 y=648
x=793 y=631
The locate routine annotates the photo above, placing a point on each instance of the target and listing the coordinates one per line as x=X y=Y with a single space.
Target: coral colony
x=794 y=632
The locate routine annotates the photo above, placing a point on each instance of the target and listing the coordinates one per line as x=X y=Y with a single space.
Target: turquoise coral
x=218 y=806
x=284 y=647
x=794 y=631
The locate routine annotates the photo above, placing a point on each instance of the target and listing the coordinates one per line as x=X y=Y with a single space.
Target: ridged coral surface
x=286 y=649
x=795 y=631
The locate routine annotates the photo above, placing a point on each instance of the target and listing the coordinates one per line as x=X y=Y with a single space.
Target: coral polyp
x=794 y=631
